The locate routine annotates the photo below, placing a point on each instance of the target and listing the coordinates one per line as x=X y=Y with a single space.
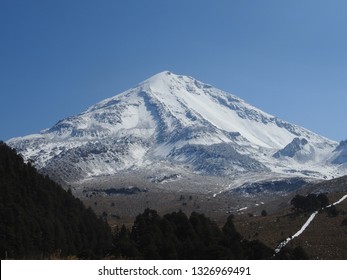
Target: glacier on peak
x=174 y=120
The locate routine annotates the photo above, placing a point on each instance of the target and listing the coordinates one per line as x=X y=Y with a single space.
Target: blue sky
x=288 y=58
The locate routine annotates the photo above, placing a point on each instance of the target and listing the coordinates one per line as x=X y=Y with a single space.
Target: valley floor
x=324 y=238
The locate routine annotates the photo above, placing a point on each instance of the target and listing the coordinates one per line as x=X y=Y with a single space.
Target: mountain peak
x=160 y=81
x=167 y=81
x=164 y=75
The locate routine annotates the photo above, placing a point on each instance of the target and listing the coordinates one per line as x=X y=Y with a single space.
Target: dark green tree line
x=175 y=236
x=311 y=202
x=38 y=218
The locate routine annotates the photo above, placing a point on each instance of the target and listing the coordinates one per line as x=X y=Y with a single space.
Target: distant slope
x=38 y=219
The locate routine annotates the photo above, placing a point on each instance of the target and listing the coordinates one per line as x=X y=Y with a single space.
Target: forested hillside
x=38 y=219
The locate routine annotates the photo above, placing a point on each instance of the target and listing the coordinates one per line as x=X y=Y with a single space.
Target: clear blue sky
x=288 y=58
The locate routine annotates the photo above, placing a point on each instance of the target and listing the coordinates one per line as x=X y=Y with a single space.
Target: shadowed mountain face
x=179 y=124
x=341 y=153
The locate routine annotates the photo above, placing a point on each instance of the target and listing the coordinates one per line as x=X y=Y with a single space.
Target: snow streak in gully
x=306 y=224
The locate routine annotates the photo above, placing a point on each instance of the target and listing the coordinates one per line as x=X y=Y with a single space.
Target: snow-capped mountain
x=182 y=125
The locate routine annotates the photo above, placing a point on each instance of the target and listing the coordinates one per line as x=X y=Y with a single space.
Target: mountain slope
x=175 y=124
